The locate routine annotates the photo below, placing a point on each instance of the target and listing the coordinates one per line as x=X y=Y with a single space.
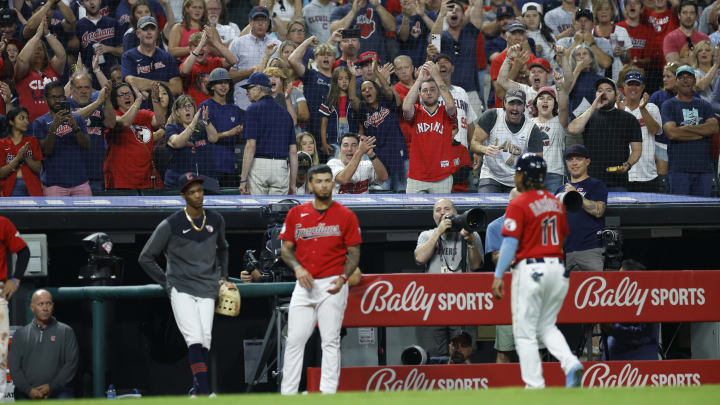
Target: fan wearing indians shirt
x=351 y=173
x=434 y=126
x=661 y=18
x=371 y=18
x=99 y=35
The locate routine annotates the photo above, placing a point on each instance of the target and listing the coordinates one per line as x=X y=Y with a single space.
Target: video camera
x=268 y=260
x=472 y=220
x=102 y=268
x=612 y=240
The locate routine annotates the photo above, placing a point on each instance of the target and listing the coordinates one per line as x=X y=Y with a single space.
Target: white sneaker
x=212 y=395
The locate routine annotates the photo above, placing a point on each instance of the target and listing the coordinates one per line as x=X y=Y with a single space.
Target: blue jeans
x=20 y=188
x=492 y=186
x=699 y=184
x=398 y=179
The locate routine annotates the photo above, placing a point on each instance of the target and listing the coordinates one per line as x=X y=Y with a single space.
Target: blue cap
x=634 y=76
x=577 y=150
x=259 y=10
x=257 y=79
x=685 y=69
x=515 y=25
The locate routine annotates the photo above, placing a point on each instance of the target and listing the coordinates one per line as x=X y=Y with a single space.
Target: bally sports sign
x=465 y=299
x=484 y=376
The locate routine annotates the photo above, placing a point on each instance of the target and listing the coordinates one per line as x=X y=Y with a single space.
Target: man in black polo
x=270 y=159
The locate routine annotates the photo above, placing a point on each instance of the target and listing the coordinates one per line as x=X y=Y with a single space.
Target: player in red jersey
x=433 y=129
x=535 y=228
x=10 y=242
x=321 y=243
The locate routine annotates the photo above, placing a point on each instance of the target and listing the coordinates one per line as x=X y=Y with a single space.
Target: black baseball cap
x=504 y=11
x=462 y=338
x=602 y=80
x=187 y=179
x=516 y=95
x=576 y=150
x=442 y=56
x=584 y=12
x=8 y=17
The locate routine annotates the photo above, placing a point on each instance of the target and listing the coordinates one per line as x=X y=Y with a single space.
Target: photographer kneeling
x=446 y=250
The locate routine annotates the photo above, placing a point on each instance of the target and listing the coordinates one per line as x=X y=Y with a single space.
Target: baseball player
x=321 y=243
x=10 y=241
x=534 y=229
x=194 y=245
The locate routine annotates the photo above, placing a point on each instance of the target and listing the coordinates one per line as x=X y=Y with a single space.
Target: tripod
x=273 y=334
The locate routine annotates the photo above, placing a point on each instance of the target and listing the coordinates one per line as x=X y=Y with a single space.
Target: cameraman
x=442 y=250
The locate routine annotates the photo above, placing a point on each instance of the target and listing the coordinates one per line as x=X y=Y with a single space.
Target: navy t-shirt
x=462 y=53
x=316 y=87
x=416 y=45
x=271 y=126
x=372 y=32
x=196 y=156
x=65 y=167
x=584 y=89
x=383 y=124
x=122 y=13
x=95 y=156
x=688 y=156
x=224 y=117
x=161 y=66
x=130 y=40
x=583 y=226
x=106 y=32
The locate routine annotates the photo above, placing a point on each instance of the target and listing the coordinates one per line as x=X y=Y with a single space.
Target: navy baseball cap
x=515 y=25
x=259 y=10
x=634 y=76
x=576 y=150
x=685 y=69
x=8 y=17
x=257 y=79
x=515 y=95
x=187 y=179
x=504 y=11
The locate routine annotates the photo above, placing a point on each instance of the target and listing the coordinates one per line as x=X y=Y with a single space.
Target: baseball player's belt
x=228 y=302
x=532 y=260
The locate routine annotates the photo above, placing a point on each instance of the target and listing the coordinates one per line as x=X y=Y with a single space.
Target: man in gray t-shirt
x=441 y=252
x=193 y=243
x=317 y=18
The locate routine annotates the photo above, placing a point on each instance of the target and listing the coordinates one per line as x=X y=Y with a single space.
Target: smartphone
x=65 y=105
x=435 y=40
x=350 y=33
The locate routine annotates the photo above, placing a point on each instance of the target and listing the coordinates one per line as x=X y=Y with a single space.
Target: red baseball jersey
x=537 y=220
x=321 y=238
x=10 y=240
x=431 y=151
x=8 y=151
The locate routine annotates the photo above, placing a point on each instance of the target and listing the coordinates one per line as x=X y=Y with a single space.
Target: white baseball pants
x=308 y=307
x=194 y=317
x=537 y=294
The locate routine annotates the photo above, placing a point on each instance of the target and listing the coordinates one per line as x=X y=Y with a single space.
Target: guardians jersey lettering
x=319 y=231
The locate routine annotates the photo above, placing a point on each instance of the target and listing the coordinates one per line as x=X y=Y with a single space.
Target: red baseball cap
x=543 y=63
x=366 y=57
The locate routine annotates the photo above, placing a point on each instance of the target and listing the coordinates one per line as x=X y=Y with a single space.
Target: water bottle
x=111 y=393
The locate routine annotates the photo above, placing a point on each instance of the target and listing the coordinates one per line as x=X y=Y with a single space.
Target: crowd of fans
x=413 y=96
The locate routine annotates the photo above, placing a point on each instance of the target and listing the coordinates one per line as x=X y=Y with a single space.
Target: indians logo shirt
x=321 y=238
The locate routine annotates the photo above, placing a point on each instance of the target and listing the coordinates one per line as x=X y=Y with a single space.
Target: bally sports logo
x=599 y=375
x=594 y=292
x=386 y=379
x=380 y=297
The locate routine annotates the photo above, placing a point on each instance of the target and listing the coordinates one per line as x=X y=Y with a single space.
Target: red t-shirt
x=31 y=91
x=431 y=152
x=8 y=151
x=644 y=42
x=663 y=22
x=10 y=240
x=495 y=72
x=129 y=154
x=194 y=83
x=405 y=126
x=537 y=220
x=321 y=239
x=676 y=40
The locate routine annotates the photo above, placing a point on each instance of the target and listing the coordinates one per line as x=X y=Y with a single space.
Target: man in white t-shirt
x=352 y=174
x=643 y=174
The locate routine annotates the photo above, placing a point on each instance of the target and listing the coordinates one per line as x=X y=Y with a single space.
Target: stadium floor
x=705 y=395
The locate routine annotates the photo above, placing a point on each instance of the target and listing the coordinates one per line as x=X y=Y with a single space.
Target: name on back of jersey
x=544 y=205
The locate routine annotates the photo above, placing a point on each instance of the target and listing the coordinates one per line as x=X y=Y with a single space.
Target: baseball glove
x=228 y=302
